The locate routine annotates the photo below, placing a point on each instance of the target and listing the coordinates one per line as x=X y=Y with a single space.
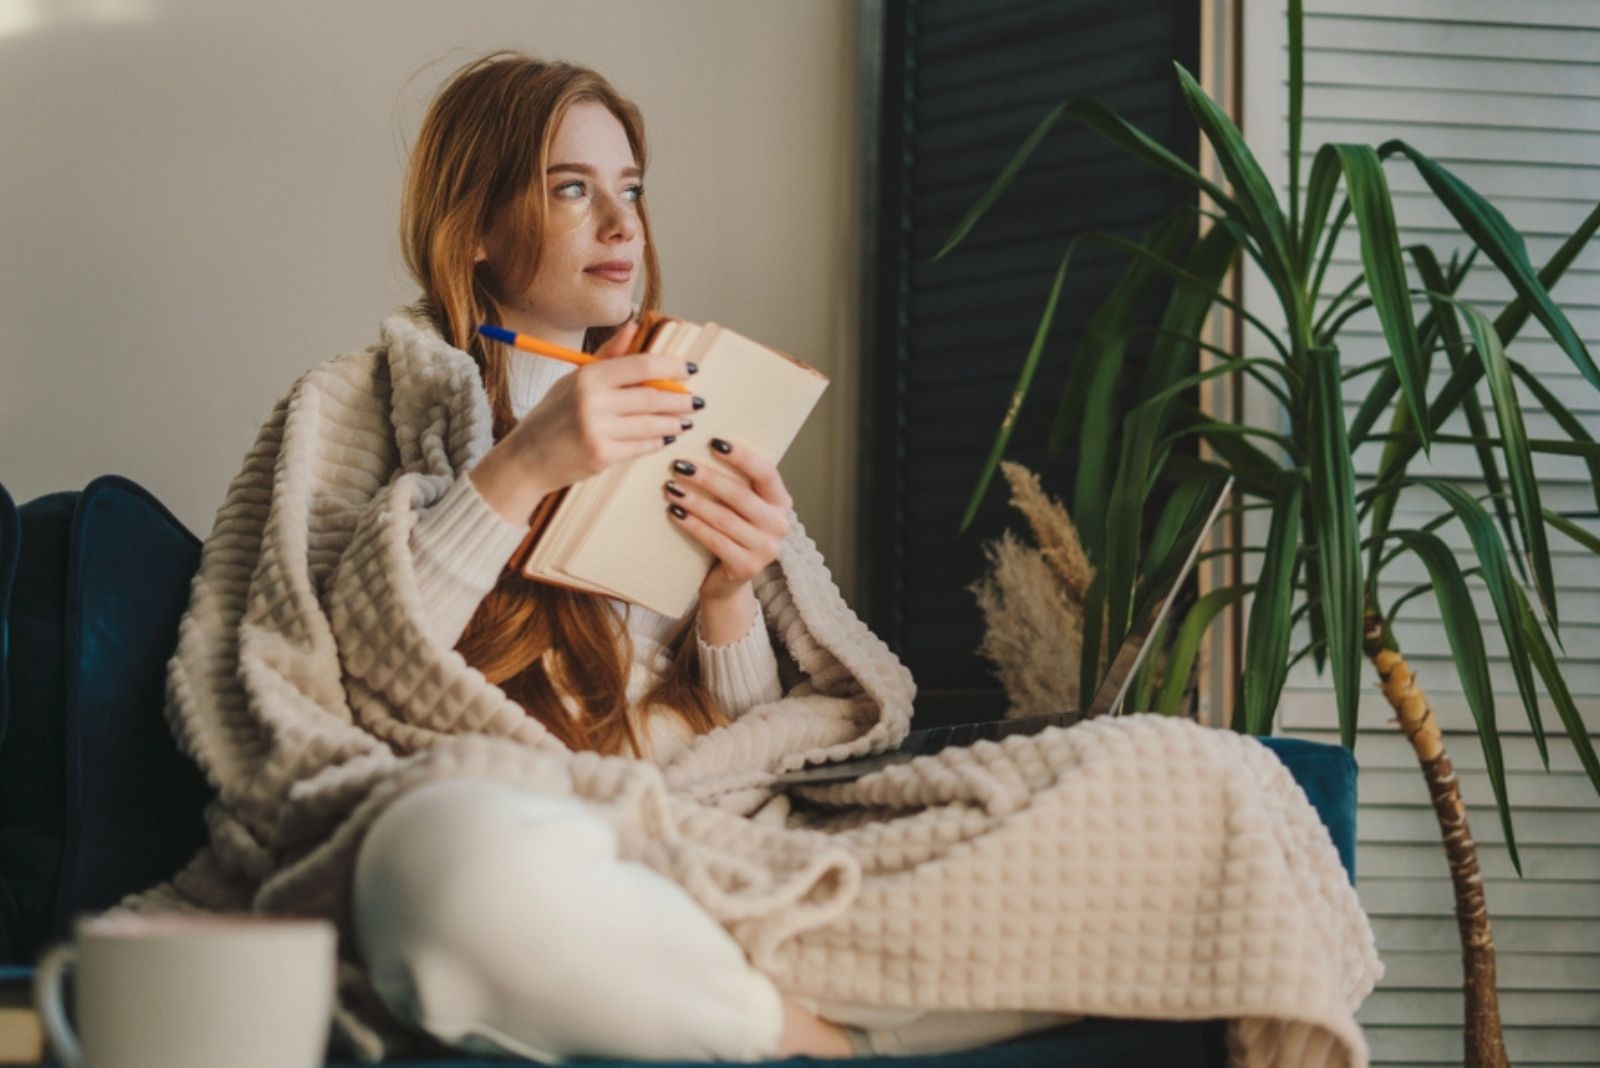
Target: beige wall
x=198 y=201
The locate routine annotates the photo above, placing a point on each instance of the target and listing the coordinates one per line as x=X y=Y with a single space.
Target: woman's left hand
x=741 y=521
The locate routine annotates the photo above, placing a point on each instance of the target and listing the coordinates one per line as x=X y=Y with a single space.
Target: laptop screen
x=1151 y=602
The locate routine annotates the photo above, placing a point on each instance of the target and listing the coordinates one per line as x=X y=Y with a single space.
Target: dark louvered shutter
x=963 y=85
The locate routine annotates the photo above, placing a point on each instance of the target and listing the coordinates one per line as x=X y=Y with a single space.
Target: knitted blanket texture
x=1135 y=866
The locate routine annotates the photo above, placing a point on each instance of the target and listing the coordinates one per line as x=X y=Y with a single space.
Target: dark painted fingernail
x=721 y=446
x=699 y=402
x=687 y=424
x=670 y=438
x=683 y=467
x=675 y=510
x=694 y=368
x=674 y=489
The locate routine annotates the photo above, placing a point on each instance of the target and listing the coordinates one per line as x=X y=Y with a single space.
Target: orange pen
x=529 y=343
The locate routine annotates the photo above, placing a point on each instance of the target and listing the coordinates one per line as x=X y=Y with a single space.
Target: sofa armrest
x=1327 y=773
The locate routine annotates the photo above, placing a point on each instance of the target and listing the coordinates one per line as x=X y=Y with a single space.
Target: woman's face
x=594 y=189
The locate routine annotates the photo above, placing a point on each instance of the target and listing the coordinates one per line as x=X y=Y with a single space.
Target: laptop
x=1149 y=609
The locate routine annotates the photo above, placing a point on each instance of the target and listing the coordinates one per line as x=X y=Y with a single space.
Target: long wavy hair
x=483 y=147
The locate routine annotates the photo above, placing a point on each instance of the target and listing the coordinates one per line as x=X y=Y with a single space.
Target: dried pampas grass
x=1032 y=630
x=1053 y=529
x=1032 y=602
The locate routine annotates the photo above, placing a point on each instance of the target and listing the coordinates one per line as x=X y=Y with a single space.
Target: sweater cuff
x=460 y=544
x=742 y=674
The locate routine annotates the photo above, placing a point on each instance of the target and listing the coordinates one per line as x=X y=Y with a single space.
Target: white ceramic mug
x=191 y=990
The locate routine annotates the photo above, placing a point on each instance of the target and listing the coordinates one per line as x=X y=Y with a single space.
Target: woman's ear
x=479 y=256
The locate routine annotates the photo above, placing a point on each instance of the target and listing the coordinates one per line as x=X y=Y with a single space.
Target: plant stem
x=1485 y=1045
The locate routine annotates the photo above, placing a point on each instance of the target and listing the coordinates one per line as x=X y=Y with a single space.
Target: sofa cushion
x=32 y=817
x=95 y=800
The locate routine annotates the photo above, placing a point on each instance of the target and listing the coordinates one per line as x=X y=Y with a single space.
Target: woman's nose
x=618 y=215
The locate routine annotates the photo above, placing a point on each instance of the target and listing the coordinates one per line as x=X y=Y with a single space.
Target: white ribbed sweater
x=461 y=544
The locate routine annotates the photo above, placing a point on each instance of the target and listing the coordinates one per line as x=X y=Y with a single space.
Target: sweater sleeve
x=460 y=544
x=741 y=674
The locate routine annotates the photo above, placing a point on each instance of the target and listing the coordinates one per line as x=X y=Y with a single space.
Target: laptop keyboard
x=989 y=730
x=920 y=744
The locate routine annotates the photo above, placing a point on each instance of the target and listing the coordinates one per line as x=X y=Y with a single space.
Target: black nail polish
x=670 y=438
x=699 y=402
x=674 y=489
x=683 y=467
x=675 y=510
x=721 y=446
x=687 y=424
x=694 y=368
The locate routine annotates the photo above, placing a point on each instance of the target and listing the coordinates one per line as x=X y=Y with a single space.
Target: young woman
x=524 y=206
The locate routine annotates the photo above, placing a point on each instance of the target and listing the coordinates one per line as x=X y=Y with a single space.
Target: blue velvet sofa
x=96 y=800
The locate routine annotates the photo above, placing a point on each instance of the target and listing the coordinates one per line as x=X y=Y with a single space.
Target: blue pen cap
x=498 y=333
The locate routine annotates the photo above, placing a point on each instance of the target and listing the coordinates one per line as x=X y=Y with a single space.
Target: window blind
x=1508 y=98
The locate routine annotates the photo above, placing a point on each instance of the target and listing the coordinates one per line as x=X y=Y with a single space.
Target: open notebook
x=610 y=533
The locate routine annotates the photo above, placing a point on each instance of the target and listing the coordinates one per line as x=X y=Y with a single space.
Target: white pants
x=501 y=921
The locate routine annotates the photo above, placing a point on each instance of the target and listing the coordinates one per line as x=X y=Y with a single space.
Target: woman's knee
x=452 y=872
x=440 y=844
x=489 y=910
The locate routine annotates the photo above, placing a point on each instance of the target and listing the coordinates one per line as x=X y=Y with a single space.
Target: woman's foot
x=805 y=1033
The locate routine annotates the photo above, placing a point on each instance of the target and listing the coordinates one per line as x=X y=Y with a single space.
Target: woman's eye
x=636 y=190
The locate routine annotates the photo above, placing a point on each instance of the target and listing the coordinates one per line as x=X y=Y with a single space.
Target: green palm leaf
x=1504 y=246
x=1088 y=405
x=1141 y=445
x=1094 y=616
x=1257 y=205
x=1009 y=421
x=1385 y=270
x=1497 y=577
x=1384 y=389
x=1335 y=534
x=1455 y=349
x=1297 y=82
x=1326 y=258
x=1267 y=640
x=1472 y=663
x=1573 y=531
x=1173 y=352
x=1556 y=687
x=1186 y=644
x=1519 y=462
x=1564 y=419
x=1106 y=123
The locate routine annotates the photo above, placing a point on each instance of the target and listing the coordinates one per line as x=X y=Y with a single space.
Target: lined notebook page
x=755 y=398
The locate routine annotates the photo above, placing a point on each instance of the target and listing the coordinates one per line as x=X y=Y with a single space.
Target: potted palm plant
x=1327 y=542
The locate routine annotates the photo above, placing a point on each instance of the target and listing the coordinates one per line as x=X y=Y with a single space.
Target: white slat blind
x=1507 y=97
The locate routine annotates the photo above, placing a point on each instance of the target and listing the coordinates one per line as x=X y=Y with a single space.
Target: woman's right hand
x=590 y=419
x=599 y=414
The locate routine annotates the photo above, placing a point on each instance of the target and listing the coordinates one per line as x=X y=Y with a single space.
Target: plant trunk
x=1485 y=1045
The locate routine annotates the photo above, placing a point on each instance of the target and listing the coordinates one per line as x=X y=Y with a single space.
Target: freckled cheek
x=567 y=215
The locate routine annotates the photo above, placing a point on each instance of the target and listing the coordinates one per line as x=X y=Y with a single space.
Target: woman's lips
x=612 y=276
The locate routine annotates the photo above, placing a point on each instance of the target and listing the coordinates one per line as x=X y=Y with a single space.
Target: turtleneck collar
x=529 y=376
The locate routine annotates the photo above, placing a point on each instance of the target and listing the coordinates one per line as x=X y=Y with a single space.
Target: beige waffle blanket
x=1135 y=867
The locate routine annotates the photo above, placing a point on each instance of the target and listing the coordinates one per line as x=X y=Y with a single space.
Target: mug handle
x=52 y=1012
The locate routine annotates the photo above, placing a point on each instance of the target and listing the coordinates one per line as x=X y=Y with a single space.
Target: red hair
x=483 y=147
